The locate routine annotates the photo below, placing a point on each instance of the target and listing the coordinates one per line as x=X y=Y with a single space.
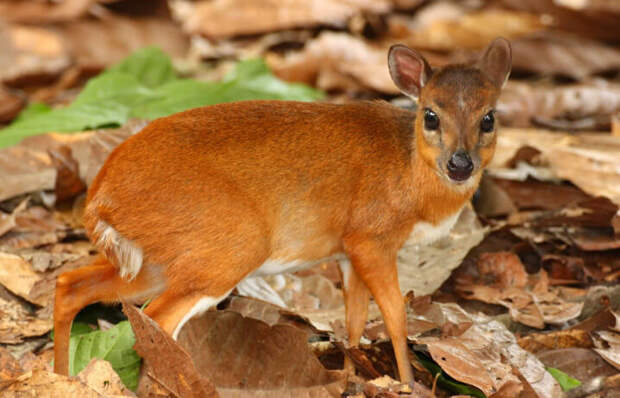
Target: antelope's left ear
x=497 y=62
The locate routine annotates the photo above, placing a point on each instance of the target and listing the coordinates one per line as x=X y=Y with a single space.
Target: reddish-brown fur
x=212 y=193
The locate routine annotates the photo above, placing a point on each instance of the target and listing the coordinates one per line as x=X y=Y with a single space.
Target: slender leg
x=98 y=281
x=356 y=298
x=376 y=267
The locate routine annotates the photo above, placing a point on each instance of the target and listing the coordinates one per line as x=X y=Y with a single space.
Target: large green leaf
x=145 y=86
x=113 y=345
x=151 y=66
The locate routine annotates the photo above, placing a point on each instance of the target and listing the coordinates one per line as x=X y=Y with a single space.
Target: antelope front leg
x=376 y=267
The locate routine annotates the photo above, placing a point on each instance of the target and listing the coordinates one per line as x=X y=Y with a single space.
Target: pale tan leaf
x=41 y=383
x=100 y=376
x=225 y=18
x=17 y=323
x=16 y=274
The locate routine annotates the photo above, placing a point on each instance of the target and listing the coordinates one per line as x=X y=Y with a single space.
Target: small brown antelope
x=194 y=203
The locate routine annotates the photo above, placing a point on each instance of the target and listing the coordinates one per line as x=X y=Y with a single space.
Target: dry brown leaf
x=460 y=363
x=587 y=105
x=117 y=37
x=27 y=167
x=17 y=323
x=528 y=298
x=41 y=383
x=597 y=22
x=38 y=12
x=555 y=340
x=168 y=362
x=531 y=194
x=587 y=160
x=225 y=18
x=17 y=275
x=247 y=357
x=100 y=376
x=45 y=52
x=24 y=170
x=562 y=54
x=30 y=51
x=337 y=61
x=504 y=269
x=474 y=30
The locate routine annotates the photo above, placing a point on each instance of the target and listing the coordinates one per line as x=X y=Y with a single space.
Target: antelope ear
x=409 y=70
x=497 y=61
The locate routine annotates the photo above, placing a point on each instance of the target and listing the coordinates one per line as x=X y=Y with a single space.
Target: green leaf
x=566 y=382
x=106 y=100
x=150 y=66
x=77 y=328
x=445 y=381
x=113 y=345
x=33 y=108
x=145 y=86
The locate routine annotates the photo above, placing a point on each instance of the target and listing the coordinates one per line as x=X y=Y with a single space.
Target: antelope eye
x=431 y=120
x=487 y=123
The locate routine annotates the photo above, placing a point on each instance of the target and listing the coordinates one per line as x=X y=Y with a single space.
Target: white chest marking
x=275 y=266
x=424 y=233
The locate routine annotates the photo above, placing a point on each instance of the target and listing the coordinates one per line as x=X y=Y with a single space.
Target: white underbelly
x=275 y=266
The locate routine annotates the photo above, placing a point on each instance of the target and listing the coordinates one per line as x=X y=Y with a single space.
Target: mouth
x=458 y=176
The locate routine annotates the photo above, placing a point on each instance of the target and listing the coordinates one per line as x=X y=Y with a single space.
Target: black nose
x=460 y=166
